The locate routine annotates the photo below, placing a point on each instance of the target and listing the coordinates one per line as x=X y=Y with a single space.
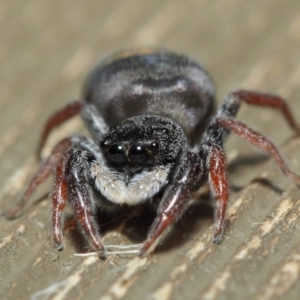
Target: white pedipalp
x=141 y=186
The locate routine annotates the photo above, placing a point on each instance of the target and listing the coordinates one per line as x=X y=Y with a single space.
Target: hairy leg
x=268 y=100
x=47 y=167
x=59 y=199
x=81 y=197
x=219 y=183
x=59 y=117
x=189 y=177
x=211 y=151
x=44 y=171
x=217 y=132
x=258 y=140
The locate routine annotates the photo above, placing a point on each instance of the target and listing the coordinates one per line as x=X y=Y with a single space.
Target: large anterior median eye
x=137 y=154
x=117 y=153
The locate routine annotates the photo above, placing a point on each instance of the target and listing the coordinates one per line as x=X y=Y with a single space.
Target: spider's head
x=143 y=141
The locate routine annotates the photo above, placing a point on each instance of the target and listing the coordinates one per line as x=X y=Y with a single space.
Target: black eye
x=117 y=153
x=137 y=154
x=104 y=144
x=154 y=147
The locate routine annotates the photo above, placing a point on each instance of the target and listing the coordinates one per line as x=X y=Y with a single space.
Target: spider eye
x=104 y=143
x=165 y=131
x=154 y=147
x=117 y=153
x=137 y=154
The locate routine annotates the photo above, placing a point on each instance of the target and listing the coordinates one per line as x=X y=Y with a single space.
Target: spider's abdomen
x=152 y=82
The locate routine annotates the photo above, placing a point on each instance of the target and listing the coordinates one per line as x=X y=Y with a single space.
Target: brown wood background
x=46 y=50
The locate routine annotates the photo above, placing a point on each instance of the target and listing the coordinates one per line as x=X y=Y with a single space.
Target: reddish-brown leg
x=268 y=100
x=219 y=183
x=80 y=198
x=59 y=198
x=42 y=174
x=257 y=139
x=66 y=113
x=175 y=200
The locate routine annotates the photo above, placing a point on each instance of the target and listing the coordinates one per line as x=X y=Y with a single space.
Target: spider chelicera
x=155 y=138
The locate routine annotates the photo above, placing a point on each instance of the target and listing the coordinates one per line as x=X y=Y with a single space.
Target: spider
x=155 y=139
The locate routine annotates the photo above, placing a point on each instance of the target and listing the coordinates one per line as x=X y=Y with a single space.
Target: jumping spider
x=155 y=138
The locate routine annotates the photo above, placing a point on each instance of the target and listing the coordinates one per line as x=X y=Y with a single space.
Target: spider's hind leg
x=228 y=110
x=59 y=117
x=215 y=135
x=232 y=102
x=44 y=171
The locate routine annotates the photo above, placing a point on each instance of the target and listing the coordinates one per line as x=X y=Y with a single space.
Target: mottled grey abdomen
x=152 y=82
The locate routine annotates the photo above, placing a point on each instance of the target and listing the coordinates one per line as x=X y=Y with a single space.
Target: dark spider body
x=155 y=138
x=154 y=83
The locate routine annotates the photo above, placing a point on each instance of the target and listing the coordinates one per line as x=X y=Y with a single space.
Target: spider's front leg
x=70 y=161
x=219 y=184
x=188 y=177
x=72 y=182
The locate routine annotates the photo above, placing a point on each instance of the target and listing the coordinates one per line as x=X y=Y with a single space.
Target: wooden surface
x=47 y=48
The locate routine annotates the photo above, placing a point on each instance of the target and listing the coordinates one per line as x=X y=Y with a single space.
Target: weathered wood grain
x=47 y=49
